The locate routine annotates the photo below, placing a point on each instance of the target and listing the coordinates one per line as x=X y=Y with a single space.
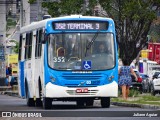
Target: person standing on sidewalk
x=7 y=76
x=125 y=79
x=10 y=74
x=10 y=69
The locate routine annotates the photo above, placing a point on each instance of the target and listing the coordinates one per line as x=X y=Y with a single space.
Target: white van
x=155 y=85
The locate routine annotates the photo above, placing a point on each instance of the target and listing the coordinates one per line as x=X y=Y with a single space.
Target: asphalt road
x=69 y=111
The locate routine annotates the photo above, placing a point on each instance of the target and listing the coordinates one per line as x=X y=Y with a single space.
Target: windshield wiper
x=91 y=43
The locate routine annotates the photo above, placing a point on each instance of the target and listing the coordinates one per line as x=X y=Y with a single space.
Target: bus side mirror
x=45 y=38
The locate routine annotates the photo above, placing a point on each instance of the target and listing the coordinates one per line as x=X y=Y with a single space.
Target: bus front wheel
x=38 y=102
x=47 y=103
x=30 y=101
x=105 y=102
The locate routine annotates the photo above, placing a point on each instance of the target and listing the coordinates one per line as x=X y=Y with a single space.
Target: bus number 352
x=58 y=59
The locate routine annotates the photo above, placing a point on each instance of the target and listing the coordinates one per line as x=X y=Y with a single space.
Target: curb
x=12 y=93
x=146 y=106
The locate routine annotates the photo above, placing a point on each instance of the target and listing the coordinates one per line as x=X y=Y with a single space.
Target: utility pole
x=2 y=41
x=39 y=10
x=24 y=13
x=21 y=13
x=2 y=23
x=3 y=12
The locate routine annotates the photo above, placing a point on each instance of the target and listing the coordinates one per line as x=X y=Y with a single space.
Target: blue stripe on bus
x=21 y=79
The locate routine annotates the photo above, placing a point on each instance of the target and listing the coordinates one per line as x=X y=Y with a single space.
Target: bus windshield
x=81 y=51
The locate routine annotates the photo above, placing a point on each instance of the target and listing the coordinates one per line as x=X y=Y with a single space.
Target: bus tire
x=38 y=102
x=47 y=103
x=80 y=103
x=89 y=102
x=105 y=102
x=30 y=101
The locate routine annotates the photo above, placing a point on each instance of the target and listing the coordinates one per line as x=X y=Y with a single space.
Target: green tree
x=155 y=30
x=133 y=19
x=67 y=7
x=15 y=48
x=31 y=1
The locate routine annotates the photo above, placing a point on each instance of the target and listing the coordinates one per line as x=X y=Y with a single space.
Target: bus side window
x=20 y=48
x=39 y=38
x=30 y=45
x=41 y=34
x=36 y=48
x=26 y=46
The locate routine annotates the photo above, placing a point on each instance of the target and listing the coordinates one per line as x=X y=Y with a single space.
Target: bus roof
x=42 y=23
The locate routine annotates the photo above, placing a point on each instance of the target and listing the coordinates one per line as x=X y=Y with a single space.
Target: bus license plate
x=92 y=82
x=82 y=90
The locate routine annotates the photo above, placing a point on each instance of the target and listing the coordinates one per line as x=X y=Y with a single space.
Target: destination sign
x=80 y=25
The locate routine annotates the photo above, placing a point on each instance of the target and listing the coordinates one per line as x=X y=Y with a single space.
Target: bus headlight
x=52 y=79
x=111 y=78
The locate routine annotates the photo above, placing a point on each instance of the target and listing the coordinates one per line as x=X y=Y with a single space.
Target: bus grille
x=90 y=92
x=81 y=76
x=77 y=85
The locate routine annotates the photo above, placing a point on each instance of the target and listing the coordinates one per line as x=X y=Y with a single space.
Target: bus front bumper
x=55 y=91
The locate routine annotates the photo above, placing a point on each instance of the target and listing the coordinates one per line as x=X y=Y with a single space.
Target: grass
x=132 y=93
x=140 y=99
x=139 y=102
